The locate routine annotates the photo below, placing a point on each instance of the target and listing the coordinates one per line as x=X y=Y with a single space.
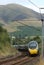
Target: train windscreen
x=32 y=45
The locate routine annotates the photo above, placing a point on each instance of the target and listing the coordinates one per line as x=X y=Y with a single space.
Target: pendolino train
x=31 y=48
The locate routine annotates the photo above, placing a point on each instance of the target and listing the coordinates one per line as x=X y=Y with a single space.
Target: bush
x=37 y=38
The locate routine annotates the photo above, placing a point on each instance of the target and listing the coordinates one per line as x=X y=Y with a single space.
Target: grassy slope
x=8 y=51
x=12 y=26
x=25 y=27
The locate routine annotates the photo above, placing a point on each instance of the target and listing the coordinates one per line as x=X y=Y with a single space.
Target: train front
x=33 y=47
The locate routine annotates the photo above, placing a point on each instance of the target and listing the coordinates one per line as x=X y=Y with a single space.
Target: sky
x=26 y=3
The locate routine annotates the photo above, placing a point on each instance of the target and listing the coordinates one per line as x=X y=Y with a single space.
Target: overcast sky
x=26 y=3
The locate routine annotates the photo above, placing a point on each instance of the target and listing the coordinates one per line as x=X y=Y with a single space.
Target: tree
x=37 y=38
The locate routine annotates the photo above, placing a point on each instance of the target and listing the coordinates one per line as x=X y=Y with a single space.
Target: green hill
x=13 y=12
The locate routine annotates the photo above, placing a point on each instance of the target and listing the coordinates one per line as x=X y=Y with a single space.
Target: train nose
x=33 y=51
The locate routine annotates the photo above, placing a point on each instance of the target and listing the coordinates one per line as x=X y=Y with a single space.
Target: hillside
x=13 y=12
x=18 y=19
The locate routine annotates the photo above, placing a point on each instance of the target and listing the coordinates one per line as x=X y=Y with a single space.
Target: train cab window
x=32 y=45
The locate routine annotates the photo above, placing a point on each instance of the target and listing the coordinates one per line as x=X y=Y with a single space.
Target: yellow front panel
x=33 y=51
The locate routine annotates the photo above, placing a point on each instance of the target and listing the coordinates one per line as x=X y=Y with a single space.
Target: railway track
x=28 y=61
x=18 y=60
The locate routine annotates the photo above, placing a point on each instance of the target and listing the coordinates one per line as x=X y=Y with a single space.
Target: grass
x=13 y=26
x=41 y=62
x=7 y=50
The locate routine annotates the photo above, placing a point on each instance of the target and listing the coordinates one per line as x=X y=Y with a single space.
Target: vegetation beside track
x=5 y=46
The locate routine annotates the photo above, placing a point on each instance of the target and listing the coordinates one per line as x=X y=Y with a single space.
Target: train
x=31 y=47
